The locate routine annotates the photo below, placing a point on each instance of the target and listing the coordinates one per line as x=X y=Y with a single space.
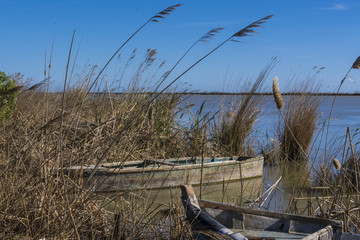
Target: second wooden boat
x=153 y=174
x=212 y=220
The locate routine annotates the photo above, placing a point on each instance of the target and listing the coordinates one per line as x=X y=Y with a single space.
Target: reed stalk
x=356 y=65
x=242 y=33
x=160 y=15
x=233 y=133
x=82 y=129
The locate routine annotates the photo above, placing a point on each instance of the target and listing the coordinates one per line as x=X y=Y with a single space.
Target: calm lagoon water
x=346 y=113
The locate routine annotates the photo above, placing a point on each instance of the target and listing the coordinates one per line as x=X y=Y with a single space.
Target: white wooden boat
x=153 y=174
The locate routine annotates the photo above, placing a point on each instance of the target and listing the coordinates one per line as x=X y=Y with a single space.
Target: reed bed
x=334 y=192
x=236 y=123
x=43 y=201
x=299 y=111
x=43 y=197
x=85 y=124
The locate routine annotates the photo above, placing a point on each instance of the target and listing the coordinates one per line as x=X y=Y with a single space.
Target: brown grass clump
x=236 y=125
x=300 y=115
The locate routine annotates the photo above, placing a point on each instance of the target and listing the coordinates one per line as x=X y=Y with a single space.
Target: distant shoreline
x=268 y=93
x=259 y=94
x=228 y=93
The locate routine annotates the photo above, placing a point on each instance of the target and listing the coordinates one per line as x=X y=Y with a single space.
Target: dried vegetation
x=86 y=124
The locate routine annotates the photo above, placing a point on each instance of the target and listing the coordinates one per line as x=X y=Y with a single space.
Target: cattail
x=277 y=95
x=336 y=163
x=356 y=64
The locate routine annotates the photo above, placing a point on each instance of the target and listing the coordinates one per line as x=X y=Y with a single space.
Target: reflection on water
x=293 y=192
x=240 y=192
x=230 y=192
x=295 y=175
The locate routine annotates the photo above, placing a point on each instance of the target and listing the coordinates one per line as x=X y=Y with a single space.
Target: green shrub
x=8 y=95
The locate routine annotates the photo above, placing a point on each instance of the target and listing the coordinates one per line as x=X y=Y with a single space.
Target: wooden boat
x=223 y=221
x=152 y=174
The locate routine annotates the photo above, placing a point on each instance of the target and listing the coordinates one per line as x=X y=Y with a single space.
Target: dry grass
x=87 y=125
x=37 y=200
x=340 y=180
x=235 y=125
x=50 y=131
x=297 y=128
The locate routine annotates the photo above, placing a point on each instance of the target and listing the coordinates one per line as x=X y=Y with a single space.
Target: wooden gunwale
x=105 y=171
x=253 y=224
x=223 y=206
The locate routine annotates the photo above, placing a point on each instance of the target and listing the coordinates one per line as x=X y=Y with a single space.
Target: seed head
x=277 y=95
x=336 y=163
x=356 y=64
x=163 y=13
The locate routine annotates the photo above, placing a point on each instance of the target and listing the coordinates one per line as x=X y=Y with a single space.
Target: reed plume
x=164 y=12
x=277 y=94
x=154 y=18
x=242 y=33
x=210 y=35
x=356 y=64
x=248 y=30
x=336 y=163
x=205 y=38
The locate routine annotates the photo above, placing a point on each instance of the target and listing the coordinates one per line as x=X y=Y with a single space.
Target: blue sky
x=302 y=34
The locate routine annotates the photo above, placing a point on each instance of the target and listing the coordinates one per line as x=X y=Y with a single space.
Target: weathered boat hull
x=257 y=224
x=170 y=173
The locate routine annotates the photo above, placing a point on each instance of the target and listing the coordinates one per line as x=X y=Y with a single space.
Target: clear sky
x=302 y=34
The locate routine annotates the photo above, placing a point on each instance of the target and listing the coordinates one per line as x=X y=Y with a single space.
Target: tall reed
x=86 y=125
x=355 y=65
x=336 y=191
x=232 y=135
x=300 y=114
